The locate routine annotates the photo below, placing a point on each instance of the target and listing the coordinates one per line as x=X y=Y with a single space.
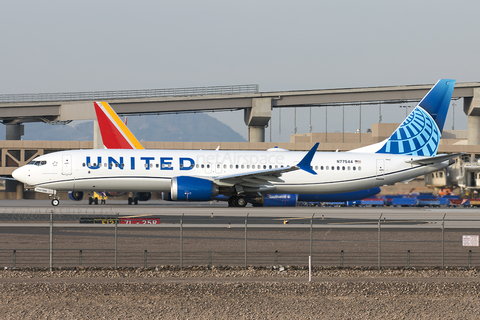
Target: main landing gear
x=133 y=200
x=237 y=201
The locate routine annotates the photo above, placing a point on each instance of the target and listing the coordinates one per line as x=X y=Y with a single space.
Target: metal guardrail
x=126 y=94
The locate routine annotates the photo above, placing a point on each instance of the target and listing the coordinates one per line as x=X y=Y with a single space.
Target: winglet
x=115 y=134
x=305 y=163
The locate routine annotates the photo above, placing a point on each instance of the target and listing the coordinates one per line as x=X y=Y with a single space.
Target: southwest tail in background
x=115 y=133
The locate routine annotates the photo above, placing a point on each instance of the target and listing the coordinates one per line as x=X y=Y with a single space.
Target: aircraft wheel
x=96 y=201
x=241 y=202
x=135 y=200
x=55 y=202
x=130 y=200
x=231 y=201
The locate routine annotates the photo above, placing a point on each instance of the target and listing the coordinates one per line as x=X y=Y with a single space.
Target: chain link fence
x=103 y=238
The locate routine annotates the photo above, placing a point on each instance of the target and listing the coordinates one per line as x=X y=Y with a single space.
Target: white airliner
x=200 y=175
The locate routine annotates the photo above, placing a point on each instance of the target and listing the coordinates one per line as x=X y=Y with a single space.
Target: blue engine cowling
x=143 y=196
x=75 y=195
x=192 y=189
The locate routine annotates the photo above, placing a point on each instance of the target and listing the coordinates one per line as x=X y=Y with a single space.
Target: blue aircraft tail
x=419 y=134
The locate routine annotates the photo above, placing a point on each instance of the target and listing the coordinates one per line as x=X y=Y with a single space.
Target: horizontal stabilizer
x=437 y=159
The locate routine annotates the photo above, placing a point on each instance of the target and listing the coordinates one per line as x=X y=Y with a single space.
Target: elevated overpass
x=257 y=106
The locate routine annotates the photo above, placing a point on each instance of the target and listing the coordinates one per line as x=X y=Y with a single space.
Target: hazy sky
x=69 y=46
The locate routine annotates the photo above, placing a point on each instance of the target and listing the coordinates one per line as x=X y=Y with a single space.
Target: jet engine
x=192 y=189
x=75 y=195
x=143 y=196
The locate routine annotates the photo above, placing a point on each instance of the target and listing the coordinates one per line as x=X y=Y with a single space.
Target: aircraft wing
x=437 y=159
x=257 y=179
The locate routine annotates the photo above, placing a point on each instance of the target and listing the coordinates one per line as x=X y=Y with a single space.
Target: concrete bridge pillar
x=97 y=136
x=14 y=132
x=471 y=106
x=257 y=118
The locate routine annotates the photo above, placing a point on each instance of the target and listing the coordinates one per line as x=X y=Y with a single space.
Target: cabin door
x=67 y=164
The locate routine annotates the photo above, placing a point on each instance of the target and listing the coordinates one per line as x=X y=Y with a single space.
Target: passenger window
x=359 y=168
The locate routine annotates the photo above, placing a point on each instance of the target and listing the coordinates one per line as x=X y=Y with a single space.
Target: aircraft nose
x=21 y=174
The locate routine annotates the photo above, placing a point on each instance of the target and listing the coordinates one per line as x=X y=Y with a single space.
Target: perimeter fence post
x=408 y=259
x=116 y=229
x=246 y=222
x=276 y=258
x=181 y=242
x=311 y=234
x=15 y=257
x=443 y=241
x=341 y=259
x=209 y=259
x=80 y=254
x=379 y=239
x=469 y=259
x=145 y=259
x=51 y=240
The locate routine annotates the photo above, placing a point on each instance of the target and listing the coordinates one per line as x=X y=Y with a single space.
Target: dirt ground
x=236 y=293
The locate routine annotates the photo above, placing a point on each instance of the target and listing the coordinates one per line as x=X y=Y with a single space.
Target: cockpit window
x=38 y=163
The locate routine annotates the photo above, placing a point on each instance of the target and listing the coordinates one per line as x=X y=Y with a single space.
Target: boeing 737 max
x=202 y=174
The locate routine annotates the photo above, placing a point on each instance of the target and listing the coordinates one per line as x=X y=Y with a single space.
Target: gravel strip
x=235 y=293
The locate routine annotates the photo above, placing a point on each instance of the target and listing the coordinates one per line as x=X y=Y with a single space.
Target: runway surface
x=219 y=215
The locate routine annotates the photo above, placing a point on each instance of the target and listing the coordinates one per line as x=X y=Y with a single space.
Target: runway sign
x=470 y=241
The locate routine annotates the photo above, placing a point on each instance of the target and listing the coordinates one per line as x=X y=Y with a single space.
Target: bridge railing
x=126 y=94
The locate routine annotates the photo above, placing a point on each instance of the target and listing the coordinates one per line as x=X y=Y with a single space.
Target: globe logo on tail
x=418 y=135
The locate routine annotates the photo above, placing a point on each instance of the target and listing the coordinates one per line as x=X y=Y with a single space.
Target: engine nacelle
x=75 y=195
x=143 y=196
x=192 y=189
x=275 y=200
